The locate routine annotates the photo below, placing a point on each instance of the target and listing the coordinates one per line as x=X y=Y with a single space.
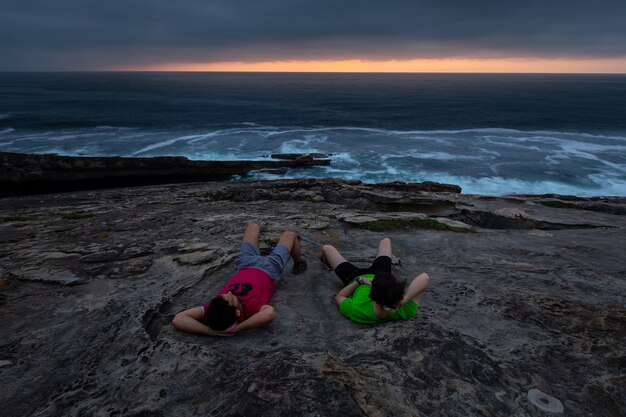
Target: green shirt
x=359 y=307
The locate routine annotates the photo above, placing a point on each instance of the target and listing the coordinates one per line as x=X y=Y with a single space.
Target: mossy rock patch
x=395 y=224
x=560 y=204
x=380 y=222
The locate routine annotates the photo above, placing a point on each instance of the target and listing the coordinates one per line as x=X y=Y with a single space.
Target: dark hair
x=387 y=290
x=220 y=315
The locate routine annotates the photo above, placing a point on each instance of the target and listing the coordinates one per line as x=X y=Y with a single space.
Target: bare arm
x=264 y=317
x=345 y=292
x=189 y=321
x=416 y=289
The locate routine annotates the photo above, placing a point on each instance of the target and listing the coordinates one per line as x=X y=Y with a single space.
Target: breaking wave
x=489 y=161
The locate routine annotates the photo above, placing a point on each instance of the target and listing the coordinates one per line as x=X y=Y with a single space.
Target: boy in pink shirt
x=243 y=302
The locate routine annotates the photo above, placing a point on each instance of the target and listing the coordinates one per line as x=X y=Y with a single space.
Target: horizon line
x=306 y=72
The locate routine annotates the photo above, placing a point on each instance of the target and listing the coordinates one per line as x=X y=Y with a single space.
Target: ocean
x=492 y=134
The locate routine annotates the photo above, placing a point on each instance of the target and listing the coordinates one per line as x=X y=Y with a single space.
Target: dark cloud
x=88 y=34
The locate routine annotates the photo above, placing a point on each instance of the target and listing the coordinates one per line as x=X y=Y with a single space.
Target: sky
x=314 y=35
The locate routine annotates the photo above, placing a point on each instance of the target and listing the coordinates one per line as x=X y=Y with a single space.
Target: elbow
x=176 y=321
x=338 y=300
x=270 y=314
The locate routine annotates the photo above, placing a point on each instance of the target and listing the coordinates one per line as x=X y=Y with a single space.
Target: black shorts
x=347 y=271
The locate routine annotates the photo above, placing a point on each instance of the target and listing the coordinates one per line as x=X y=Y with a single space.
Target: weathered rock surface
x=526 y=315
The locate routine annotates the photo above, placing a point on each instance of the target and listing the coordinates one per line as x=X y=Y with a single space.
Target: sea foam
x=488 y=161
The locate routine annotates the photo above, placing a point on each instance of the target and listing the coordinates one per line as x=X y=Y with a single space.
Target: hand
x=224 y=334
x=221 y=333
x=365 y=281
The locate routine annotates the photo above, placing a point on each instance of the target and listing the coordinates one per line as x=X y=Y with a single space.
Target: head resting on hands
x=221 y=315
x=387 y=290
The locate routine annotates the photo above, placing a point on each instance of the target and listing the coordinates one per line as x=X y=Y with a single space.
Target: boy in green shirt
x=373 y=295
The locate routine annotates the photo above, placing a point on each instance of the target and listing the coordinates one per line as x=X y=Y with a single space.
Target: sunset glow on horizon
x=573 y=36
x=510 y=65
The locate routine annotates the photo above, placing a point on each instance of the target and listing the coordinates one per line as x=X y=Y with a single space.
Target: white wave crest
x=344 y=157
x=305 y=145
x=169 y=142
x=489 y=130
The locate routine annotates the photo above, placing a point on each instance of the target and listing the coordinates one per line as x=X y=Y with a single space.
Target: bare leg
x=384 y=248
x=251 y=234
x=332 y=256
x=290 y=240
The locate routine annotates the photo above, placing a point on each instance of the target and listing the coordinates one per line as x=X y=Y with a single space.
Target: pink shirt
x=253 y=287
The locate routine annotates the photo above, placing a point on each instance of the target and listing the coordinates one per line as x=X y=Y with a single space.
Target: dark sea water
x=490 y=134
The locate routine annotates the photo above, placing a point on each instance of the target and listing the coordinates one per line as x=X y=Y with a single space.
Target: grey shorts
x=273 y=264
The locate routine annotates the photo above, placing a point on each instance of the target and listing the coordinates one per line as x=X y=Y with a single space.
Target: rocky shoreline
x=526 y=314
x=24 y=174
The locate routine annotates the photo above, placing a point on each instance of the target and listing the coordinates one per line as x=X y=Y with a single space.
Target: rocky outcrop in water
x=22 y=174
x=525 y=316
